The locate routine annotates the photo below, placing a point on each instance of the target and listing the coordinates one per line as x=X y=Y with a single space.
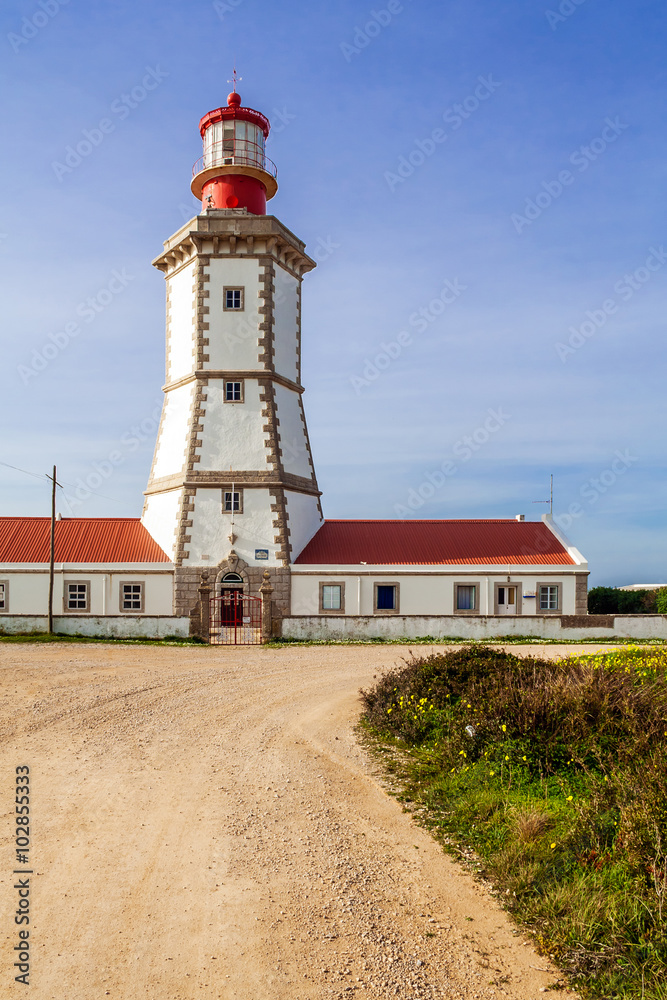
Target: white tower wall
x=255 y=447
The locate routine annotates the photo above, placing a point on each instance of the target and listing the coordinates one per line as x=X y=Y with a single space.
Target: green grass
x=448 y=640
x=555 y=775
x=42 y=637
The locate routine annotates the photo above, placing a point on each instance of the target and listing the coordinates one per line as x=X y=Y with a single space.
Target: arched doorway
x=231 y=592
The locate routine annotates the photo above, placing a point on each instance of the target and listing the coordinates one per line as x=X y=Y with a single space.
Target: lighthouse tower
x=232 y=488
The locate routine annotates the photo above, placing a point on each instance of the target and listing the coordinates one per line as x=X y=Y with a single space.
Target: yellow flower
x=524 y=757
x=552 y=846
x=492 y=773
x=504 y=729
x=569 y=798
x=506 y=758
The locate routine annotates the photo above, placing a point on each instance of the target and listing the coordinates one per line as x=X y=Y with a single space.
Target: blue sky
x=483 y=184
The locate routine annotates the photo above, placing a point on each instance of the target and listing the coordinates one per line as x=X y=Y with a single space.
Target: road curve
x=205 y=825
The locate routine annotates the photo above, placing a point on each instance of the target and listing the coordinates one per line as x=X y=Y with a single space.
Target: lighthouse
x=232 y=488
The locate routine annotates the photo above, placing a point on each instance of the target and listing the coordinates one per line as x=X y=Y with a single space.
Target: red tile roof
x=78 y=540
x=424 y=543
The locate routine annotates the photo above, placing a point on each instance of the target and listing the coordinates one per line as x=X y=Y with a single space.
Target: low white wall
x=115 y=627
x=483 y=627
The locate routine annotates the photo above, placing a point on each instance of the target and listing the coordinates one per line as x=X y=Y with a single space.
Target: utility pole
x=53 y=546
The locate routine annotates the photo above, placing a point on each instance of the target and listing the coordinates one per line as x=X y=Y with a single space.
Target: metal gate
x=235 y=620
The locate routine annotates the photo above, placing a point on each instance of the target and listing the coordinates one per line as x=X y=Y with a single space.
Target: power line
x=74 y=486
x=16 y=469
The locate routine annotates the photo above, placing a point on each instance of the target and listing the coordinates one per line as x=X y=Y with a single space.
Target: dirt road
x=205 y=825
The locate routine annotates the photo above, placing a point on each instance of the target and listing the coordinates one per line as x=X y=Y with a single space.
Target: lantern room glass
x=234 y=142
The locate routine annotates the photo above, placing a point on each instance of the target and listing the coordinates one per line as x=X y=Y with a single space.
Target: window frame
x=5 y=599
x=397 y=597
x=332 y=611
x=232 y=489
x=558 y=610
x=142 y=597
x=233 y=381
x=233 y=288
x=76 y=611
x=466 y=583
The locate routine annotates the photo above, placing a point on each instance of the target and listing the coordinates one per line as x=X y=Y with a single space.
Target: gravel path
x=206 y=825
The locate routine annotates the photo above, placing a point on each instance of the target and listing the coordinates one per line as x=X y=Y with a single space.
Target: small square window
x=233 y=392
x=386 y=597
x=233 y=299
x=77 y=596
x=4 y=595
x=331 y=597
x=549 y=598
x=466 y=598
x=232 y=501
x=131 y=597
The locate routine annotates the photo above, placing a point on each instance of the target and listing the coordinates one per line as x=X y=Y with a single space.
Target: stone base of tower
x=187 y=580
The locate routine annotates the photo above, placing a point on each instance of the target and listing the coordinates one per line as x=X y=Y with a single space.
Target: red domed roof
x=234 y=100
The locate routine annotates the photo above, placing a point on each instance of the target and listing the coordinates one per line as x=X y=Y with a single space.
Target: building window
x=4 y=595
x=77 y=596
x=386 y=598
x=131 y=597
x=232 y=501
x=332 y=598
x=233 y=392
x=466 y=598
x=549 y=597
x=233 y=299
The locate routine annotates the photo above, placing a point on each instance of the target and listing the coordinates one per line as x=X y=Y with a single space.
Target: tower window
x=232 y=501
x=131 y=597
x=4 y=596
x=233 y=299
x=233 y=392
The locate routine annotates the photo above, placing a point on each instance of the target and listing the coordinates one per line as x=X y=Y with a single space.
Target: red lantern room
x=234 y=171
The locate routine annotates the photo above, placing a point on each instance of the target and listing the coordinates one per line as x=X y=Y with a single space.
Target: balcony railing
x=235 y=153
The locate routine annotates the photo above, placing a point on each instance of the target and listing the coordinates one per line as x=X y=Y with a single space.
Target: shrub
x=556 y=774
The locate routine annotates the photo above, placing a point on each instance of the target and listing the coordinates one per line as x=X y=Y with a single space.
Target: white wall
x=233 y=437
x=28 y=591
x=182 y=342
x=125 y=627
x=233 y=336
x=456 y=627
x=292 y=433
x=161 y=517
x=303 y=520
x=210 y=529
x=422 y=590
x=172 y=446
x=285 y=323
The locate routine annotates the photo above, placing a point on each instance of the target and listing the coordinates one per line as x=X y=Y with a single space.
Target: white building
x=232 y=491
